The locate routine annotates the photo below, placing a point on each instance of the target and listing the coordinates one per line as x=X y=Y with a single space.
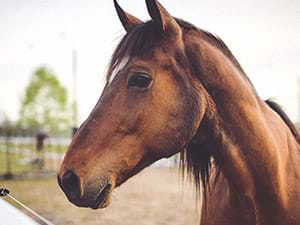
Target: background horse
x=174 y=88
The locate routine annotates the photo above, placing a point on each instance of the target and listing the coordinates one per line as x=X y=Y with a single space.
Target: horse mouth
x=102 y=201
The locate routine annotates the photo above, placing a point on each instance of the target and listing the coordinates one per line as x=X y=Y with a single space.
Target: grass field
x=154 y=197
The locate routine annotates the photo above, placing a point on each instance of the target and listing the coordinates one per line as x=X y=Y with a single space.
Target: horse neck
x=236 y=130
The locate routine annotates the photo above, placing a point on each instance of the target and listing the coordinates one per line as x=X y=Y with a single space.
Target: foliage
x=44 y=105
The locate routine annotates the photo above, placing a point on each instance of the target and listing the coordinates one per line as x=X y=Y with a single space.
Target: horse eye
x=140 y=80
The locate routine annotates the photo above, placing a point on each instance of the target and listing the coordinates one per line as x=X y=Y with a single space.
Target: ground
x=154 y=197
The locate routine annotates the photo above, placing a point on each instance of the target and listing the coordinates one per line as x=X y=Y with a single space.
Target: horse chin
x=104 y=198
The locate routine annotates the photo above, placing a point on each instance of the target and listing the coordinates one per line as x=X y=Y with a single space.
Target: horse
x=174 y=88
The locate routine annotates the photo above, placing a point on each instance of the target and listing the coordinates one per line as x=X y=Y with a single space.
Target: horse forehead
x=118 y=68
x=156 y=57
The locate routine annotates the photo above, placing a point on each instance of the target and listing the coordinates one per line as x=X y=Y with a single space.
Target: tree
x=44 y=105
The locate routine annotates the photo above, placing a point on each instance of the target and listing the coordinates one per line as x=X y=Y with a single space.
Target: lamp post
x=298 y=100
x=74 y=105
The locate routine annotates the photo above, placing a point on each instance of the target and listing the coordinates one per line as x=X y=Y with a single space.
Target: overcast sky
x=263 y=35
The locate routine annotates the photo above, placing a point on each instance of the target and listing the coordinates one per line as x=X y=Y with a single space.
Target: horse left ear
x=161 y=16
x=128 y=21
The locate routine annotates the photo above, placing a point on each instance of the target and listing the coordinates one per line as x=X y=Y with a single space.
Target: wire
x=5 y=192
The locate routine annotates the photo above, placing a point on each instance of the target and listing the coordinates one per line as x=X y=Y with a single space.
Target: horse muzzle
x=95 y=196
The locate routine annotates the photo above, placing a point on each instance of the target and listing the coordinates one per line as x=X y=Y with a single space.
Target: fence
x=20 y=157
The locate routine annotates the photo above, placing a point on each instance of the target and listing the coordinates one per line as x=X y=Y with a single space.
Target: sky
x=263 y=35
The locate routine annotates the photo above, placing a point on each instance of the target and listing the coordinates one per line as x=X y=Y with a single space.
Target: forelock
x=140 y=41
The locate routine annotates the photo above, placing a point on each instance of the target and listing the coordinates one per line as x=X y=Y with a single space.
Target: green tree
x=44 y=105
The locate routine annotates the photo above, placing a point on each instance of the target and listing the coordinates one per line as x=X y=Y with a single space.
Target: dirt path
x=154 y=197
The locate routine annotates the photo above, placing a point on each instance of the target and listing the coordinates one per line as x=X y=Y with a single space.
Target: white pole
x=74 y=71
x=298 y=99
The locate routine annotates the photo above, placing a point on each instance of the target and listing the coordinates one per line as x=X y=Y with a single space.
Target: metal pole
x=74 y=106
x=298 y=99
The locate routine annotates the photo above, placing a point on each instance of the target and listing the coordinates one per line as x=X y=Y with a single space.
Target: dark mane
x=273 y=105
x=138 y=42
x=218 y=43
x=212 y=39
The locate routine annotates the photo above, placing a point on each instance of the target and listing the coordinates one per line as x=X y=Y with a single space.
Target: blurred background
x=53 y=60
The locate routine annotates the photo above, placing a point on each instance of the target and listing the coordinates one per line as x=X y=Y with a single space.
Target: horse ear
x=128 y=21
x=161 y=16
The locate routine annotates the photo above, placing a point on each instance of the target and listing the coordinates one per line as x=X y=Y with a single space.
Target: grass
x=21 y=164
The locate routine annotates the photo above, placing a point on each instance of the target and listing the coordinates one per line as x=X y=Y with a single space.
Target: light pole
x=298 y=100
x=74 y=105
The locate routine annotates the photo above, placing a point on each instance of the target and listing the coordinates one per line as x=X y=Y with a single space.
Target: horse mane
x=276 y=107
x=138 y=42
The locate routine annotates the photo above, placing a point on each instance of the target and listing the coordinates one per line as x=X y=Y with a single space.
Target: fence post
x=8 y=174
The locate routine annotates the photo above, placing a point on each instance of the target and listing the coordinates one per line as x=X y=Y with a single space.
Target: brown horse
x=174 y=88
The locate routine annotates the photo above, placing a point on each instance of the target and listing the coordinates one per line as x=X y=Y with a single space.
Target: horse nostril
x=70 y=183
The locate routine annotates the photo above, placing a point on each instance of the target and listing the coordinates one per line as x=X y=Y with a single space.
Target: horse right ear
x=128 y=21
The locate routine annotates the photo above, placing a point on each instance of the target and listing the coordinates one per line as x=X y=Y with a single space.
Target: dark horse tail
x=285 y=118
